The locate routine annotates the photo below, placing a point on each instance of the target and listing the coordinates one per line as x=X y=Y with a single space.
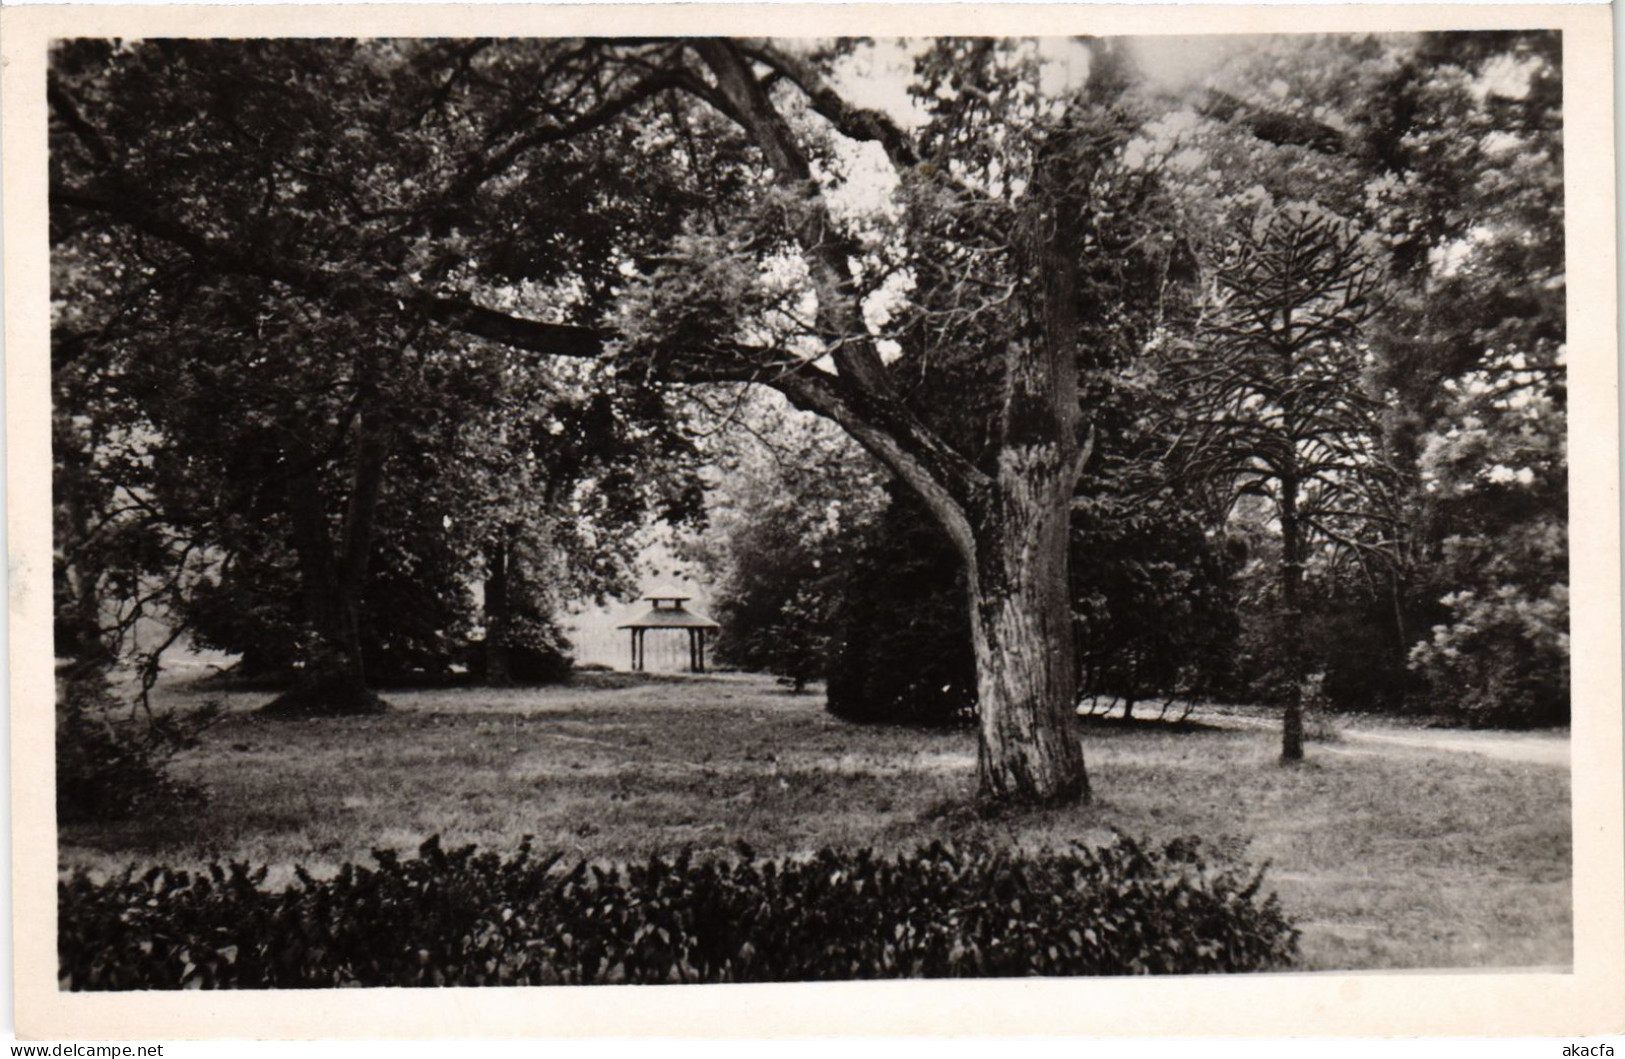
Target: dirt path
x=1534 y=748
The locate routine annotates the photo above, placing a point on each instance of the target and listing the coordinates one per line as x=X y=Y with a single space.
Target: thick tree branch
x=62 y=104
x=460 y=314
x=827 y=256
x=232 y=256
x=879 y=421
x=855 y=123
x=492 y=165
x=947 y=483
x=1274 y=126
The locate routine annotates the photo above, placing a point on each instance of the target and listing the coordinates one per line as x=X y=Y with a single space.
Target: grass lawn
x=1390 y=857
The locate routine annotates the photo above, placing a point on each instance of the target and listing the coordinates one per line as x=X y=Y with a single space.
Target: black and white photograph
x=690 y=508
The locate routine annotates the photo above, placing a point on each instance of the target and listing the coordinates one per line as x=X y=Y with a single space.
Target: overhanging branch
x=855 y=123
x=947 y=481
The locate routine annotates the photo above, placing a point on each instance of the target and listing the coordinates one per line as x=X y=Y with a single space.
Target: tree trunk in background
x=334 y=679
x=1291 y=620
x=498 y=673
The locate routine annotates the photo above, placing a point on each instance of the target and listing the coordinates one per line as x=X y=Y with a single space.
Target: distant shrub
x=110 y=766
x=461 y=919
x=538 y=650
x=1502 y=661
x=531 y=649
x=900 y=649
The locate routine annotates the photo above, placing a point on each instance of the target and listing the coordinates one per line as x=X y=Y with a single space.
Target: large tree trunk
x=1012 y=528
x=334 y=679
x=1021 y=624
x=1020 y=579
x=1020 y=568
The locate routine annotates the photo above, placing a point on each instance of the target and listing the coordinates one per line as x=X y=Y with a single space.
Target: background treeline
x=1331 y=464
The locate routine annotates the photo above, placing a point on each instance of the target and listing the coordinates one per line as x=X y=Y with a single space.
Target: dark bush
x=532 y=649
x=110 y=766
x=900 y=647
x=539 y=653
x=538 y=650
x=1153 y=600
x=461 y=918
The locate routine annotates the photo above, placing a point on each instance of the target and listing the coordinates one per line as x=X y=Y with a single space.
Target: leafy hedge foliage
x=461 y=918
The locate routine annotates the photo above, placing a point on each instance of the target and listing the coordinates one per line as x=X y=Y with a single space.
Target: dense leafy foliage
x=1450 y=153
x=306 y=480
x=900 y=650
x=788 y=498
x=1154 y=603
x=460 y=918
x=1423 y=381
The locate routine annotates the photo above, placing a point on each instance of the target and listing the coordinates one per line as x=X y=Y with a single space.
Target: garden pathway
x=1535 y=748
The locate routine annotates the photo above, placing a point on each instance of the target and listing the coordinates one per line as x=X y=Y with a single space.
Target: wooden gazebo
x=667 y=612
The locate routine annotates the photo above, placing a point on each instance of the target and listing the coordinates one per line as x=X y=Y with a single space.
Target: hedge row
x=461 y=918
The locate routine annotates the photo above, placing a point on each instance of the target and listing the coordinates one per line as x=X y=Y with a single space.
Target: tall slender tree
x=1274 y=402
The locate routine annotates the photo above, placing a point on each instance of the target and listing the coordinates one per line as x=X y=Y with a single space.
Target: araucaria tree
x=1274 y=401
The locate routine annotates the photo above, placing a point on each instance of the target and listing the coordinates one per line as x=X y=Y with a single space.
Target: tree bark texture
x=1021 y=626
x=1019 y=571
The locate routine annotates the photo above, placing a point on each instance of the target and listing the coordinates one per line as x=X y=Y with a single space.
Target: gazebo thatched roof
x=670 y=618
x=668 y=612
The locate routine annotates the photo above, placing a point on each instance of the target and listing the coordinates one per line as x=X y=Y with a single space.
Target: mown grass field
x=1386 y=857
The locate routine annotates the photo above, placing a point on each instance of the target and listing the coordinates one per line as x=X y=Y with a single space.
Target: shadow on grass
x=1118 y=723
x=587 y=678
x=619 y=680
